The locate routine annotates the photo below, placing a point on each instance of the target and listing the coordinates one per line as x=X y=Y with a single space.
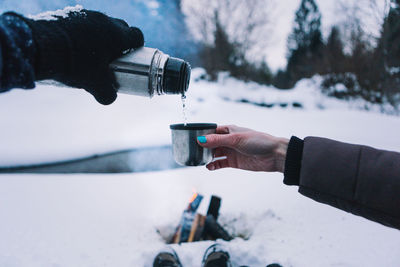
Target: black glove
x=78 y=49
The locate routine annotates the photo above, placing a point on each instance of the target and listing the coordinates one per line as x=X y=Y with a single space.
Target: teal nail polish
x=202 y=139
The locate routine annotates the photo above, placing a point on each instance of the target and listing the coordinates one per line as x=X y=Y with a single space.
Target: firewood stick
x=177 y=236
x=194 y=227
x=213 y=207
x=215 y=230
x=200 y=228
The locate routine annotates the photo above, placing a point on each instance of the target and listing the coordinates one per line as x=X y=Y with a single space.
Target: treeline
x=224 y=55
x=367 y=69
x=228 y=30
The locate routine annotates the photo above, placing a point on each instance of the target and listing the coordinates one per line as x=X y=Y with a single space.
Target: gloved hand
x=246 y=149
x=76 y=50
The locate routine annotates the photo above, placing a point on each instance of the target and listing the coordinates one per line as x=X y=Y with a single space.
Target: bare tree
x=363 y=18
x=247 y=23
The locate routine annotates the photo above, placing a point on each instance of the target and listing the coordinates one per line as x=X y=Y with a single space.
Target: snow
x=54 y=15
x=53 y=123
x=394 y=70
x=111 y=220
x=307 y=93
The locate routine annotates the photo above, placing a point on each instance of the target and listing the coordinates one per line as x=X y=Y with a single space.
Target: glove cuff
x=53 y=48
x=17 y=53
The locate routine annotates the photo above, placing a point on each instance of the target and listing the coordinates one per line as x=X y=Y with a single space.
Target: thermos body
x=148 y=72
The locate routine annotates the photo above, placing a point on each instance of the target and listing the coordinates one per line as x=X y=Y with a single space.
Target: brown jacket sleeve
x=357 y=179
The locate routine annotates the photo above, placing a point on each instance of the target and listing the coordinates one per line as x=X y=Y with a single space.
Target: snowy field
x=111 y=220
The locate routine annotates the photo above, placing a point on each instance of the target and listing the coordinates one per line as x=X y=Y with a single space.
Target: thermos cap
x=176 y=76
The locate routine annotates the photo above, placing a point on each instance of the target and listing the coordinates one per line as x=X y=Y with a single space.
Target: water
x=183 y=98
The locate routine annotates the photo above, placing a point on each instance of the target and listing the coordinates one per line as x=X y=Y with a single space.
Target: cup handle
x=219 y=158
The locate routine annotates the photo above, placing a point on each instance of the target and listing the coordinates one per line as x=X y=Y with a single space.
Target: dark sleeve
x=294 y=156
x=357 y=179
x=17 y=53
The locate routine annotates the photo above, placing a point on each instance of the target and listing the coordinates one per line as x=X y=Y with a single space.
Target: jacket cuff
x=294 y=156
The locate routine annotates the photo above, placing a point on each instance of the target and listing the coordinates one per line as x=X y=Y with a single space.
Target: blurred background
x=351 y=43
x=294 y=54
x=327 y=68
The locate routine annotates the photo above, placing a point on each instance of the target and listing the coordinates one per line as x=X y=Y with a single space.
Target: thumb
x=136 y=38
x=105 y=90
x=219 y=140
x=104 y=95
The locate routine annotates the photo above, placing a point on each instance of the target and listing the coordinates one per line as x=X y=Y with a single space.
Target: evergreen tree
x=220 y=55
x=334 y=56
x=307 y=26
x=387 y=55
x=391 y=35
x=305 y=42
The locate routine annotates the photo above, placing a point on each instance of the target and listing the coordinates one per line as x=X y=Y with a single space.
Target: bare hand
x=246 y=149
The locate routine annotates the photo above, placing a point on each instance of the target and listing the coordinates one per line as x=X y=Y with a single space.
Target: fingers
x=225 y=137
x=105 y=91
x=104 y=96
x=136 y=37
x=219 y=164
x=221 y=151
x=226 y=129
x=120 y=22
x=219 y=140
x=132 y=38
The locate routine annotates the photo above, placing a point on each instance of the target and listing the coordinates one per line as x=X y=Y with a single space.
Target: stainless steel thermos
x=148 y=72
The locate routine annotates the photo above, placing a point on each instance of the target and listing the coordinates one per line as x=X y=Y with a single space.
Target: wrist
x=53 y=49
x=280 y=154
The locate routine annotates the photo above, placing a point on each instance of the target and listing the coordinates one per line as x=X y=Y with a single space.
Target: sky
x=150 y=16
x=282 y=14
x=331 y=15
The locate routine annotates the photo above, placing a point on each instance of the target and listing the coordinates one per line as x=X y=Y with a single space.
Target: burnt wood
x=215 y=229
x=213 y=207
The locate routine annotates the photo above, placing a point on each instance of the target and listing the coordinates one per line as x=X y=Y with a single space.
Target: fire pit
x=194 y=226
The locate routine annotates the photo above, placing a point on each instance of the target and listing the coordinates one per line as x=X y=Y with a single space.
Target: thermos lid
x=176 y=76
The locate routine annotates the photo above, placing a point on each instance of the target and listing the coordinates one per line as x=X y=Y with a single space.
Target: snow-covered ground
x=52 y=123
x=111 y=220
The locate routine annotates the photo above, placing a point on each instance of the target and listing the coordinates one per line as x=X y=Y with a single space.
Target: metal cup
x=185 y=149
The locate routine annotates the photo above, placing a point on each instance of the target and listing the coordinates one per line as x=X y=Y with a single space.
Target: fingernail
x=211 y=167
x=202 y=139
